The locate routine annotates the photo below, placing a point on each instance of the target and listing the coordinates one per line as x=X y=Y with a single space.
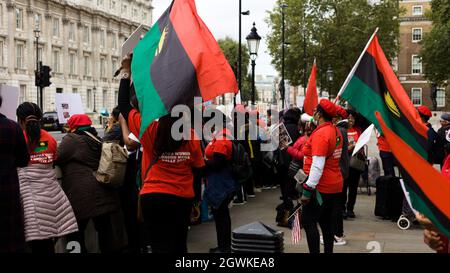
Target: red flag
x=311 y=99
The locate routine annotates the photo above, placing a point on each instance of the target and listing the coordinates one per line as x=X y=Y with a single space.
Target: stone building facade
x=79 y=39
x=413 y=26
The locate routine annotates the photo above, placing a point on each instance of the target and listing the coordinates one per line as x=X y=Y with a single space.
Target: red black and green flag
x=177 y=60
x=428 y=190
x=373 y=86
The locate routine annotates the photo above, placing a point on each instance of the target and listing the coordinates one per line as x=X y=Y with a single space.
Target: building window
x=416 y=35
x=102 y=67
x=100 y=3
x=89 y=99
x=416 y=96
x=440 y=97
x=114 y=41
x=87 y=66
x=105 y=98
x=72 y=32
x=417 y=10
x=22 y=93
x=1 y=53
x=112 y=5
x=416 y=65
x=102 y=38
x=135 y=13
x=86 y=35
x=114 y=66
x=59 y=90
x=74 y=90
x=40 y=52
x=55 y=60
x=124 y=9
x=72 y=67
x=38 y=21
x=144 y=16
x=19 y=55
x=1 y=14
x=56 y=27
x=116 y=96
x=19 y=18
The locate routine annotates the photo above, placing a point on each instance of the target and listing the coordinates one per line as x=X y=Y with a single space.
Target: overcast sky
x=221 y=17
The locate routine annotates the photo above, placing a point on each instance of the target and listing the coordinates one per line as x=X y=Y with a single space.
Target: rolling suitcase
x=389 y=197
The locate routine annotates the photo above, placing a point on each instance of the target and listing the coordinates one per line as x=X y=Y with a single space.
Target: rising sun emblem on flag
x=161 y=41
x=391 y=104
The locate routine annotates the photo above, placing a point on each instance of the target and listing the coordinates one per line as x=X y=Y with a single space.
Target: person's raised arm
x=124 y=88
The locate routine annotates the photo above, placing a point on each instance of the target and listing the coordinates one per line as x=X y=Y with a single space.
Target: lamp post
x=38 y=69
x=282 y=88
x=330 y=78
x=253 y=40
x=95 y=91
x=239 y=68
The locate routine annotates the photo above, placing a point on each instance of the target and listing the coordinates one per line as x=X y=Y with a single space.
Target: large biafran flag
x=429 y=190
x=177 y=60
x=373 y=86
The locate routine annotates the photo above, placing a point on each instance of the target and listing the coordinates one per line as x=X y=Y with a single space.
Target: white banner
x=10 y=95
x=68 y=104
x=363 y=139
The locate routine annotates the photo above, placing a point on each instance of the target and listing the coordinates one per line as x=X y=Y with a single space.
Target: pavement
x=366 y=233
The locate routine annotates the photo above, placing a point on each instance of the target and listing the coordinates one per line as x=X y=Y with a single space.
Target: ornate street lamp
x=253 y=40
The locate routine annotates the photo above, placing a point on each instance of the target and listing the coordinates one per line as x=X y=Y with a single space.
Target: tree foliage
x=335 y=33
x=230 y=49
x=435 y=51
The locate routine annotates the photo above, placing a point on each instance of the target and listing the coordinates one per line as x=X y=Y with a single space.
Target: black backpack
x=241 y=168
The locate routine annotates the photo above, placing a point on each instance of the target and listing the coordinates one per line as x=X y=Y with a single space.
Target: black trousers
x=46 y=246
x=223 y=225
x=166 y=220
x=325 y=215
x=388 y=161
x=350 y=185
x=258 y=169
x=105 y=226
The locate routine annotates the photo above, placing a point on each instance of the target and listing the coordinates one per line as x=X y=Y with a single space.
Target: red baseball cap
x=79 y=120
x=328 y=107
x=425 y=111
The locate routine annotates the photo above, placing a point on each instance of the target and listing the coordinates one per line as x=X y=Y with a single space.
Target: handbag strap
x=93 y=137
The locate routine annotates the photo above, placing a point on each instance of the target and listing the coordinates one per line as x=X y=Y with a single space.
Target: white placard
x=238 y=98
x=300 y=101
x=280 y=135
x=129 y=45
x=363 y=139
x=10 y=95
x=68 y=104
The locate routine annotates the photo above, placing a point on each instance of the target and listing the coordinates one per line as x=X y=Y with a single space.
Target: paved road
x=362 y=230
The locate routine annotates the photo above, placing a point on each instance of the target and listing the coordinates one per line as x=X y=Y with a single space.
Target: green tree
x=335 y=33
x=230 y=50
x=435 y=50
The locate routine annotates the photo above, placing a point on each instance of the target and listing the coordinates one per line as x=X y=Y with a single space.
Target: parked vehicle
x=50 y=122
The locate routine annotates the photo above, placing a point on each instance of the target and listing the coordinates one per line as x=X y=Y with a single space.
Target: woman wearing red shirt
x=167 y=175
x=322 y=153
x=221 y=186
x=351 y=183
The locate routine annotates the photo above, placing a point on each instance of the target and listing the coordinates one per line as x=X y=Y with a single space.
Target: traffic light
x=37 y=78
x=45 y=76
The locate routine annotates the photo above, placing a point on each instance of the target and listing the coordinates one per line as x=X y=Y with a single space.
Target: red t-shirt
x=221 y=144
x=353 y=135
x=45 y=151
x=326 y=141
x=172 y=172
x=446 y=167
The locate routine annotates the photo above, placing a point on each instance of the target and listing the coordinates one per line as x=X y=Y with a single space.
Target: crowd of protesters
x=153 y=208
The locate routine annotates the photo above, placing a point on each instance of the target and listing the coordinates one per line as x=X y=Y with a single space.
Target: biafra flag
x=429 y=190
x=177 y=60
x=373 y=86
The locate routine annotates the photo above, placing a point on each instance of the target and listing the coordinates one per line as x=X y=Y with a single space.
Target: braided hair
x=30 y=114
